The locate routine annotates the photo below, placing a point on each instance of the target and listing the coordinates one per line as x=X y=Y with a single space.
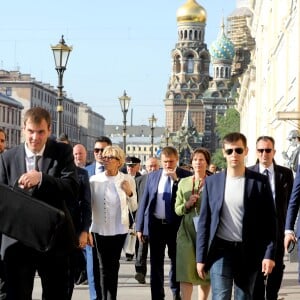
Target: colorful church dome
x=222 y=48
x=191 y=11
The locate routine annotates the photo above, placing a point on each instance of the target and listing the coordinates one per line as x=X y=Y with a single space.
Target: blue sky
x=117 y=45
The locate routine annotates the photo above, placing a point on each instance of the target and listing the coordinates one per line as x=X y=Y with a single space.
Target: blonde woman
x=187 y=205
x=113 y=193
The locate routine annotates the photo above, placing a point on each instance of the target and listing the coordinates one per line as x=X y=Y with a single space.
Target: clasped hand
x=30 y=179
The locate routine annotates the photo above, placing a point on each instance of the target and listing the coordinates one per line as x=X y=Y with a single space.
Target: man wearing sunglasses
x=91 y=252
x=236 y=233
x=281 y=181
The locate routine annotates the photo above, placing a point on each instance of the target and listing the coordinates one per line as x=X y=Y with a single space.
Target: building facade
x=80 y=122
x=10 y=120
x=190 y=68
x=271 y=82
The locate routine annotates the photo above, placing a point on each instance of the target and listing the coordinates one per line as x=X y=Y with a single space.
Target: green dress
x=186 y=270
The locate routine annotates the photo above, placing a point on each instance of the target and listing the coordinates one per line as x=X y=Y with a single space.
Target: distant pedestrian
x=152 y=164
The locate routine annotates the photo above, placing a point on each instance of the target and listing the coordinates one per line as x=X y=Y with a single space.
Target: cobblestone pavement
x=130 y=289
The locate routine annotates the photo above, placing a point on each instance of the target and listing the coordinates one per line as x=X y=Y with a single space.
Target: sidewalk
x=130 y=289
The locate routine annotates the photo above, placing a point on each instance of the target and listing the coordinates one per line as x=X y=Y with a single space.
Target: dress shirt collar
x=30 y=154
x=270 y=168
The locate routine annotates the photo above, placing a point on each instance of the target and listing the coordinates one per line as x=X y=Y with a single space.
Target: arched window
x=190 y=64
x=177 y=64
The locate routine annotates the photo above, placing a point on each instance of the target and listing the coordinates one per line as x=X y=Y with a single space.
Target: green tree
x=230 y=122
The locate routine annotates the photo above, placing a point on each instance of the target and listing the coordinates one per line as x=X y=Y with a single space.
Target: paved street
x=129 y=289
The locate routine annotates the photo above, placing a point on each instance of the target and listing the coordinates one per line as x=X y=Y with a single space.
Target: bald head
x=152 y=164
x=80 y=155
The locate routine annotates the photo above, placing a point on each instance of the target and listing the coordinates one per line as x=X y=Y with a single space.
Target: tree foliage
x=230 y=122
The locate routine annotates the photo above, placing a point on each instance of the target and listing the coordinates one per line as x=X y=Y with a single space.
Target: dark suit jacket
x=59 y=185
x=83 y=213
x=148 y=200
x=294 y=205
x=284 y=179
x=259 y=221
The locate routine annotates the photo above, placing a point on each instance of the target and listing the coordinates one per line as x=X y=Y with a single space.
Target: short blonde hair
x=115 y=151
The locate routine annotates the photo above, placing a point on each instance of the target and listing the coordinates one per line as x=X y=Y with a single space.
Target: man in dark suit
x=236 y=233
x=152 y=164
x=93 y=272
x=82 y=218
x=157 y=220
x=54 y=183
x=281 y=181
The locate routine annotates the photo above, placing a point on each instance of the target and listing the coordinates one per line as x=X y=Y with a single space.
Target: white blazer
x=98 y=185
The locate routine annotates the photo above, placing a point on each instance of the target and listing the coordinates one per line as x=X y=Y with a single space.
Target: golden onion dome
x=191 y=11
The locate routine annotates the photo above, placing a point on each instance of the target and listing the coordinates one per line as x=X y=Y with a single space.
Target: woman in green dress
x=187 y=205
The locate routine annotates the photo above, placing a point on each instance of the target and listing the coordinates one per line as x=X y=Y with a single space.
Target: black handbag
x=28 y=220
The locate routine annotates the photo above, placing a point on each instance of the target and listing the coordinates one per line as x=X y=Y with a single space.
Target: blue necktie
x=167 y=197
x=101 y=169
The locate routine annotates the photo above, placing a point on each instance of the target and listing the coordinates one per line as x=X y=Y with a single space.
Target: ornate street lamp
x=152 y=124
x=61 y=54
x=124 y=103
x=167 y=136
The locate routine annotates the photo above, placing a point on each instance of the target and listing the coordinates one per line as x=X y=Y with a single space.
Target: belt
x=161 y=221
x=227 y=244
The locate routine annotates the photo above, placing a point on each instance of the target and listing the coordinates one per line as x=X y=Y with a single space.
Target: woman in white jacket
x=113 y=194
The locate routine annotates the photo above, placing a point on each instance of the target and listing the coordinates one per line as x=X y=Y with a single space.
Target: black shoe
x=129 y=257
x=176 y=297
x=140 y=277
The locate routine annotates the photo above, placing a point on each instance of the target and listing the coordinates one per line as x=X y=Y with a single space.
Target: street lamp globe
x=152 y=124
x=61 y=54
x=124 y=103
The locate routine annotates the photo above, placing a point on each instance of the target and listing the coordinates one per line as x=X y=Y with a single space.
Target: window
x=8 y=91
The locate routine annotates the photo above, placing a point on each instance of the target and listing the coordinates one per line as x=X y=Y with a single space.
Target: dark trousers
x=268 y=290
x=21 y=264
x=109 y=250
x=160 y=236
x=141 y=257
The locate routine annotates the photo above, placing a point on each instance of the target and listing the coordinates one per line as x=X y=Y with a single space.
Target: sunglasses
x=267 y=150
x=97 y=150
x=236 y=150
x=109 y=158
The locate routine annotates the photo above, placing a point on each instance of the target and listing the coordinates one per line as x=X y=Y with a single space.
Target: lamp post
x=152 y=124
x=61 y=54
x=124 y=102
x=167 y=136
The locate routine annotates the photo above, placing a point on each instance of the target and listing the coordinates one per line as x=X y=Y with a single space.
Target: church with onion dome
x=192 y=96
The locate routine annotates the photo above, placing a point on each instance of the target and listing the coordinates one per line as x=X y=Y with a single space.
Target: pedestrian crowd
x=225 y=232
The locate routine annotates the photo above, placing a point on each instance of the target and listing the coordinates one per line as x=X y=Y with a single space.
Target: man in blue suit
x=291 y=217
x=236 y=233
x=157 y=221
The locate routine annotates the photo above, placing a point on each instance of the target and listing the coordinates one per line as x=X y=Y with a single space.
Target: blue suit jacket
x=91 y=169
x=147 y=202
x=259 y=221
x=294 y=205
